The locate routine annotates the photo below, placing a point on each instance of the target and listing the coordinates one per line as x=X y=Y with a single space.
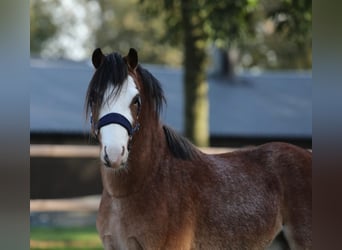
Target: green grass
x=65 y=238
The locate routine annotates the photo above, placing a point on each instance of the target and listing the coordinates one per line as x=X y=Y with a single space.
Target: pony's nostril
x=112 y=157
x=106 y=158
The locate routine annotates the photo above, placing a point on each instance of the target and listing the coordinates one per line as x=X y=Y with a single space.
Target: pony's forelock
x=113 y=72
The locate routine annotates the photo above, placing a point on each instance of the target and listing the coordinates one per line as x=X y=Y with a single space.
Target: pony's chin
x=116 y=167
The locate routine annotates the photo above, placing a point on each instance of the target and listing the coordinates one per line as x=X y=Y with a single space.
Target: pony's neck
x=147 y=150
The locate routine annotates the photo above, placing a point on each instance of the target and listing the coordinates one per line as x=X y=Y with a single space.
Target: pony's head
x=115 y=98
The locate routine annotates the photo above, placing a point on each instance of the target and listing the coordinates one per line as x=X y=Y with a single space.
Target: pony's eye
x=137 y=101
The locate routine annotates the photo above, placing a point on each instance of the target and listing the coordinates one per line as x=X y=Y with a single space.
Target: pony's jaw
x=113 y=137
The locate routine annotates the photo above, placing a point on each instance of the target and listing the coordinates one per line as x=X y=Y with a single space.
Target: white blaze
x=114 y=137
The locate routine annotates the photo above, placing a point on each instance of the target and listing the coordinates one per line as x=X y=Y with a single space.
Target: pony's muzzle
x=112 y=157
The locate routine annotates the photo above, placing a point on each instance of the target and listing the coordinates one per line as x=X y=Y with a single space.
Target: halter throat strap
x=116 y=118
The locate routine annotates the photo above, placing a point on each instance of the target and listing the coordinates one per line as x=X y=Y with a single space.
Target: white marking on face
x=114 y=138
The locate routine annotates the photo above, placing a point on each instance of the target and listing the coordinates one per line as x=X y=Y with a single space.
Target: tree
x=195 y=24
x=123 y=25
x=293 y=22
x=72 y=29
x=63 y=29
x=282 y=37
x=42 y=27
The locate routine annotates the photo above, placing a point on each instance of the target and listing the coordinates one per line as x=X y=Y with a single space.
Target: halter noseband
x=116 y=118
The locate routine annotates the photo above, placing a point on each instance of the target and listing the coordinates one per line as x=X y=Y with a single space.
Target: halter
x=116 y=118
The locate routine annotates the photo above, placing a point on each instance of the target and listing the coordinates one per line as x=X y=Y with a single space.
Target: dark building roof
x=264 y=105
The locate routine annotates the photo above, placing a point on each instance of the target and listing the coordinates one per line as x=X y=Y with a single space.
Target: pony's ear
x=132 y=58
x=97 y=58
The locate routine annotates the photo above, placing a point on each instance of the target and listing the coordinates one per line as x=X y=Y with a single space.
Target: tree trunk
x=194 y=82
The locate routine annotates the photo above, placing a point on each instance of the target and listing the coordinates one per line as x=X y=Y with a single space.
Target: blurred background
x=251 y=58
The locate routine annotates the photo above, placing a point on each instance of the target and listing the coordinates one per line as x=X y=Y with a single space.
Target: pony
x=162 y=192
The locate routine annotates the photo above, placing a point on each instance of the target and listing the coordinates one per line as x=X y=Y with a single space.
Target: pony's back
x=266 y=185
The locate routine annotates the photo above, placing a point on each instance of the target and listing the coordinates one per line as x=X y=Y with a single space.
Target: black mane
x=153 y=89
x=179 y=146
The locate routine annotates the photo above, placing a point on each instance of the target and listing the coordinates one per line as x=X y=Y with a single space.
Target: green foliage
x=42 y=27
x=282 y=37
x=220 y=20
x=123 y=25
x=155 y=29
x=292 y=18
x=268 y=34
x=65 y=238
